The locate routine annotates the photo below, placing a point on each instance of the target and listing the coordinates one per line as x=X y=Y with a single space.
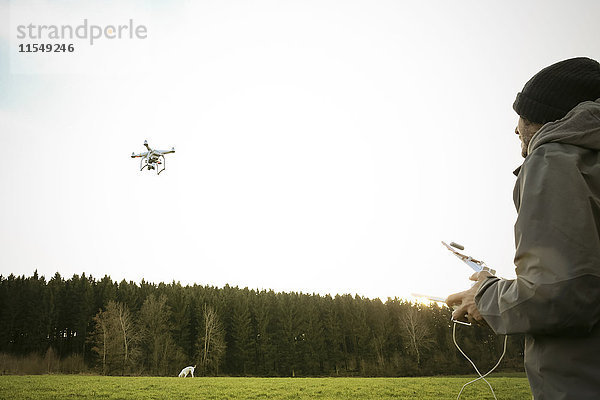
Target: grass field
x=41 y=387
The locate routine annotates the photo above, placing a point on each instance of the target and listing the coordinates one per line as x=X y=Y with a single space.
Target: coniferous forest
x=88 y=325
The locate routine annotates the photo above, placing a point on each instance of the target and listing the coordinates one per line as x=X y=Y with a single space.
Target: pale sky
x=322 y=146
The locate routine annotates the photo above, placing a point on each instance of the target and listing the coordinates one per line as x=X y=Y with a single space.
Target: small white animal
x=187 y=370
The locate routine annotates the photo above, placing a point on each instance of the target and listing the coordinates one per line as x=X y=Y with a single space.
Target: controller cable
x=473 y=364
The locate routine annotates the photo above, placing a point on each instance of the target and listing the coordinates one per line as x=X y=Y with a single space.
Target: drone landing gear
x=152 y=165
x=163 y=163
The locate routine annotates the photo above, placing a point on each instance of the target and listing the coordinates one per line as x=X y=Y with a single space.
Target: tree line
x=128 y=328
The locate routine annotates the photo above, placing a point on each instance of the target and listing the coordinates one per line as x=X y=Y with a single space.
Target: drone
x=153 y=159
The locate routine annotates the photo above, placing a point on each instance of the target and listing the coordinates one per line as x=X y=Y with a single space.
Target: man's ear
x=534 y=125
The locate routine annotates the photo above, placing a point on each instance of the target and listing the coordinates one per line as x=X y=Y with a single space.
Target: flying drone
x=153 y=159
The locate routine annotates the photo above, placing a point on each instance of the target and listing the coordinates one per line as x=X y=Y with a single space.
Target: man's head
x=553 y=92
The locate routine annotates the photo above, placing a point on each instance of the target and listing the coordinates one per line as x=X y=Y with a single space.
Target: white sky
x=321 y=145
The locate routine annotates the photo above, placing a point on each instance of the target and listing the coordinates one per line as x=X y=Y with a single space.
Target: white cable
x=475 y=367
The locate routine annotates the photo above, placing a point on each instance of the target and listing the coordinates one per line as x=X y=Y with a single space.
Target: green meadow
x=41 y=387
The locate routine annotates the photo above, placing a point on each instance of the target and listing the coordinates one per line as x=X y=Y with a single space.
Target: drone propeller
x=146 y=144
x=165 y=151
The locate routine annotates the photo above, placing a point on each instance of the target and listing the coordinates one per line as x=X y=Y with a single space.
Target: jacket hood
x=580 y=127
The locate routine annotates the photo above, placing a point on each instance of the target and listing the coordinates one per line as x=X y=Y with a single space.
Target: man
x=555 y=299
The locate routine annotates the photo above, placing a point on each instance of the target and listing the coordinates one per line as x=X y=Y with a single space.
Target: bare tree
x=415 y=331
x=114 y=337
x=126 y=326
x=211 y=343
x=51 y=360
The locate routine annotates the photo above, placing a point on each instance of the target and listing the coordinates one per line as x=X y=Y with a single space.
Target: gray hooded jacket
x=555 y=299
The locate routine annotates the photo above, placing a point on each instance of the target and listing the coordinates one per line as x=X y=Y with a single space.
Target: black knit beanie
x=556 y=89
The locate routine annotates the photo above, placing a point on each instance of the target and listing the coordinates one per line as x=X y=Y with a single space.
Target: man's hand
x=466 y=310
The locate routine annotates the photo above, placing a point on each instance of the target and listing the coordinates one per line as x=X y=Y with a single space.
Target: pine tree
x=241 y=334
x=156 y=343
